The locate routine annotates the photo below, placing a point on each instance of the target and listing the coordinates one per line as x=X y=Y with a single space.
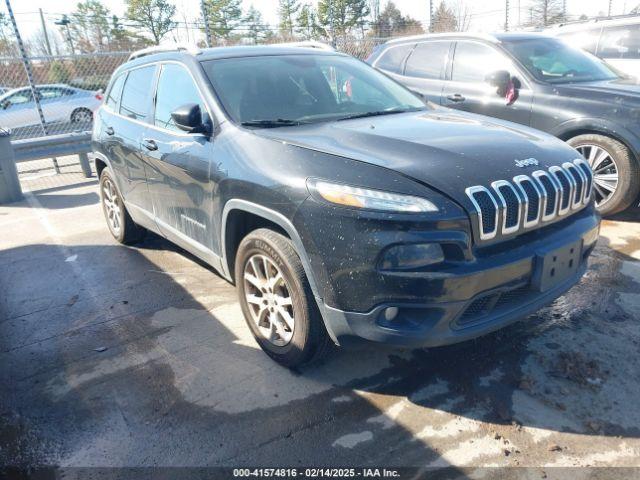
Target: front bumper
x=498 y=289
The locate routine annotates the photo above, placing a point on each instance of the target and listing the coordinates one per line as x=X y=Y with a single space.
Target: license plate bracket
x=555 y=266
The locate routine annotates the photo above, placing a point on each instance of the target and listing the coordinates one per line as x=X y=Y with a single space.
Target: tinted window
x=620 y=42
x=392 y=60
x=135 y=95
x=474 y=61
x=428 y=60
x=304 y=88
x=585 y=39
x=49 y=93
x=554 y=61
x=23 y=96
x=116 y=90
x=175 y=89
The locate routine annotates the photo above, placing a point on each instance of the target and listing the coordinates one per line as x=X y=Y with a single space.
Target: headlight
x=358 y=197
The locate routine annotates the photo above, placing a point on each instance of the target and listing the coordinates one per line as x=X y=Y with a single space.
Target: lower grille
x=480 y=308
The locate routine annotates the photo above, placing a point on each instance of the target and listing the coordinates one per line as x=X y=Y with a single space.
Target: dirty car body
x=414 y=224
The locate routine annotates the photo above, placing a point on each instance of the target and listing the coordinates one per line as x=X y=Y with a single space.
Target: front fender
x=576 y=126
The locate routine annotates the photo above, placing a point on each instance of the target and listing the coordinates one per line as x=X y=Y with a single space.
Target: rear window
x=428 y=60
x=114 y=93
x=392 y=60
x=135 y=95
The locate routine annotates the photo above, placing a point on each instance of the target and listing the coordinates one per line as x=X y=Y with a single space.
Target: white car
x=616 y=40
x=60 y=103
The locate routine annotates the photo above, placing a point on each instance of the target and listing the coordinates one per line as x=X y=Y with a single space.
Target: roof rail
x=193 y=50
x=598 y=19
x=426 y=36
x=305 y=44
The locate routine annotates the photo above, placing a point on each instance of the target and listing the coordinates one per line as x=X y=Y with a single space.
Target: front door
x=467 y=88
x=178 y=164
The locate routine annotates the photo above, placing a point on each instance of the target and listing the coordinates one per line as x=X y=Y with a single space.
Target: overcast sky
x=487 y=15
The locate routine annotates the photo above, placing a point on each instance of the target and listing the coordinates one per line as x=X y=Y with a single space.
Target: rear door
x=128 y=129
x=391 y=61
x=467 y=87
x=425 y=69
x=178 y=163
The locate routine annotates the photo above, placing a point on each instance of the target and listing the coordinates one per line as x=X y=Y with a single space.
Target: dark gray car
x=534 y=80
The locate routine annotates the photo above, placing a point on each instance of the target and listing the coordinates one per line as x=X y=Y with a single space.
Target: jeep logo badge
x=528 y=162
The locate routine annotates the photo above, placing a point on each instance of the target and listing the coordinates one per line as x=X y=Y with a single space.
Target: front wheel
x=277 y=301
x=616 y=173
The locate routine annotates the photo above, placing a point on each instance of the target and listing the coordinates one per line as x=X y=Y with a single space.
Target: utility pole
x=506 y=16
x=44 y=32
x=610 y=7
x=431 y=16
x=64 y=22
x=205 y=17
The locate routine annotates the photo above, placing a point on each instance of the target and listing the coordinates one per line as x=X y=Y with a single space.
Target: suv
x=340 y=205
x=535 y=80
x=616 y=40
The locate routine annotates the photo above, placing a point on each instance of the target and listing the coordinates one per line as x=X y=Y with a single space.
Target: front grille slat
x=511 y=207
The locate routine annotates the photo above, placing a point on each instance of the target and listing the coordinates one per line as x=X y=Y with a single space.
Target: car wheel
x=120 y=224
x=616 y=173
x=81 y=115
x=277 y=301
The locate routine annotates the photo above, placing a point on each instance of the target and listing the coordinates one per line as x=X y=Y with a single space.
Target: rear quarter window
x=392 y=59
x=136 y=93
x=621 y=42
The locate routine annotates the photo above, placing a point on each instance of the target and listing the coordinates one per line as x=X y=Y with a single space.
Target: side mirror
x=499 y=79
x=189 y=118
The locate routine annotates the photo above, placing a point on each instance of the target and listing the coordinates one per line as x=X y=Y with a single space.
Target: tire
x=301 y=340
x=621 y=160
x=126 y=231
x=81 y=115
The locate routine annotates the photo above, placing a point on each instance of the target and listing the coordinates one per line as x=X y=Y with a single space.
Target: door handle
x=109 y=131
x=456 y=97
x=149 y=144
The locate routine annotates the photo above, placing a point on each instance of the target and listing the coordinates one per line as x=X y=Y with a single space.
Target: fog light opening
x=390 y=313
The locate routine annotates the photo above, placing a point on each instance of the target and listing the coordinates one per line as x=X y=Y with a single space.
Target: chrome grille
x=513 y=206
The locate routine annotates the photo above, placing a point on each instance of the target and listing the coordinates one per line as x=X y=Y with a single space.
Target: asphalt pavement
x=139 y=356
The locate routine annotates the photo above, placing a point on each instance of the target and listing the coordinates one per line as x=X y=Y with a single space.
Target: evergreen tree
x=223 y=17
x=287 y=11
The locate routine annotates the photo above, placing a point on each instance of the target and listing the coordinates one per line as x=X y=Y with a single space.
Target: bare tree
x=444 y=19
x=546 y=12
x=463 y=14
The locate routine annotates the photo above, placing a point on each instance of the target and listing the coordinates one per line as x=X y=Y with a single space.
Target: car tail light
x=99 y=96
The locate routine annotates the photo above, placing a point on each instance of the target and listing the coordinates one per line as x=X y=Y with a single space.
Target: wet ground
x=139 y=356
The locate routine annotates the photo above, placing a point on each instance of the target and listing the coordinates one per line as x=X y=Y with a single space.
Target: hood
x=626 y=88
x=444 y=149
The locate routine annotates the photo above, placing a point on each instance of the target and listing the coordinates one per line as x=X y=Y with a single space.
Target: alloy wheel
x=605 y=172
x=269 y=300
x=111 y=203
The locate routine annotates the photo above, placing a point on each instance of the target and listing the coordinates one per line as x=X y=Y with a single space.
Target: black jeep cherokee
x=340 y=204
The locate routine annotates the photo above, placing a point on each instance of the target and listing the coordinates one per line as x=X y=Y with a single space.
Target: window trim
x=448 y=57
x=105 y=105
x=524 y=78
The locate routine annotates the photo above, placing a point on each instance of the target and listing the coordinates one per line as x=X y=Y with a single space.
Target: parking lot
x=139 y=356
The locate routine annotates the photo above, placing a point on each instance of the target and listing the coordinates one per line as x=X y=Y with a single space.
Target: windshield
x=555 y=61
x=280 y=90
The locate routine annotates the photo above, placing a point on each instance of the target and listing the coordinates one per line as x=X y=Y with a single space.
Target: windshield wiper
x=379 y=112
x=277 y=122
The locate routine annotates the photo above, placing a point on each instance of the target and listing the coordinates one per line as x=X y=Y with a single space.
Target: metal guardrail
x=13 y=152
x=52 y=146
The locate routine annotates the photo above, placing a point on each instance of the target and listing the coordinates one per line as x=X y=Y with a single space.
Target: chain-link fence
x=69 y=90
